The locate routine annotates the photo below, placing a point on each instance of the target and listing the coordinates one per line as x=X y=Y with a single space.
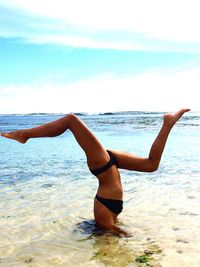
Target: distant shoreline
x=109 y=113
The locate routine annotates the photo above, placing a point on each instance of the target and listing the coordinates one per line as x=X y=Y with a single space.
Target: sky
x=60 y=56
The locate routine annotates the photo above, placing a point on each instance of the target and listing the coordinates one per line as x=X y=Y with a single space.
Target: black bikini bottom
x=110 y=163
x=113 y=205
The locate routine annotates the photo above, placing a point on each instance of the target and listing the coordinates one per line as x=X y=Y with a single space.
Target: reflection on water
x=115 y=251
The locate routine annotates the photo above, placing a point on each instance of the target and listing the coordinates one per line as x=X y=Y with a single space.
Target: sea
x=47 y=194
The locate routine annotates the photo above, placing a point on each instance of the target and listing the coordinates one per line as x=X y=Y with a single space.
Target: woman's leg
x=132 y=162
x=95 y=152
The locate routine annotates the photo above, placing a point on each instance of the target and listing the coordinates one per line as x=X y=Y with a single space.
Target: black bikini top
x=110 y=163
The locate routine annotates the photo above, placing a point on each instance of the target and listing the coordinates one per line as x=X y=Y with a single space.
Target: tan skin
x=109 y=181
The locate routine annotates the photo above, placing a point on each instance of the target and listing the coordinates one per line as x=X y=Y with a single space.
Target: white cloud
x=85 y=42
x=171 y=21
x=152 y=91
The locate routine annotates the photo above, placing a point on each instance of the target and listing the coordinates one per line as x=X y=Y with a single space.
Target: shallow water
x=46 y=196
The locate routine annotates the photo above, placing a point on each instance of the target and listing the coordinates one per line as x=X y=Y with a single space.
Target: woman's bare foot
x=171 y=119
x=16 y=135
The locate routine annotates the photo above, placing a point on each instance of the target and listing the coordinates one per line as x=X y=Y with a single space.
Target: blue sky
x=96 y=56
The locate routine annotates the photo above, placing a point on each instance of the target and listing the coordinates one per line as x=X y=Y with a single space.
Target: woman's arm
x=119 y=231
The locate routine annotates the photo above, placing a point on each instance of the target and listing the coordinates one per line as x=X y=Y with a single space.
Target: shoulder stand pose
x=104 y=164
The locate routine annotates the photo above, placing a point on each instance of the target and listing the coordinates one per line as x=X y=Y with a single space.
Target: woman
x=104 y=164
